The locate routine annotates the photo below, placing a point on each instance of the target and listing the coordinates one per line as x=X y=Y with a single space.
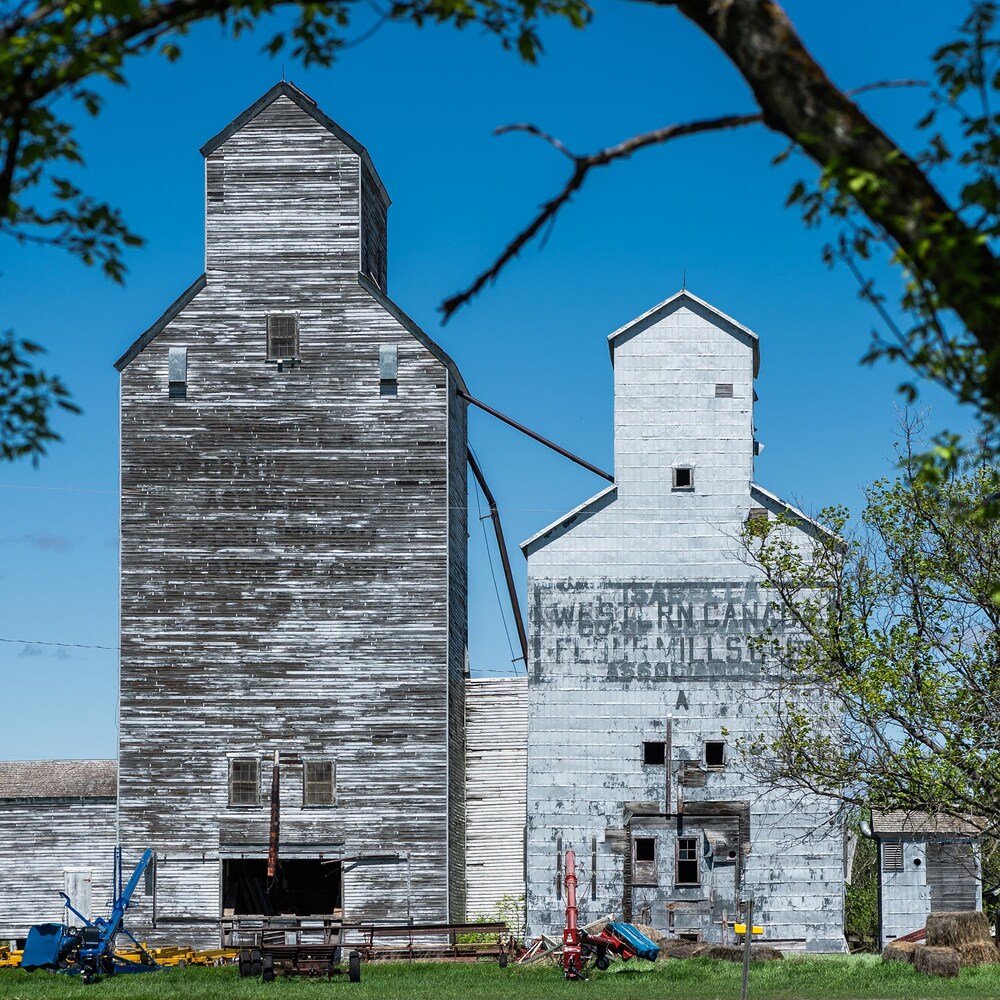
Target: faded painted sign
x=649 y=632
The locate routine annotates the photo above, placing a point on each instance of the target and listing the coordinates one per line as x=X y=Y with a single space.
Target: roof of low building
x=58 y=779
x=888 y=822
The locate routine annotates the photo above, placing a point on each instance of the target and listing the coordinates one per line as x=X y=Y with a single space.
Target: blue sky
x=534 y=345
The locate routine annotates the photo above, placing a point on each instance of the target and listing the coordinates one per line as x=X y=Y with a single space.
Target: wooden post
x=747 y=939
x=668 y=752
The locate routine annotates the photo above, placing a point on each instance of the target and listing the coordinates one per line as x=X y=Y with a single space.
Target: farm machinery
x=89 y=950
x=580 y=946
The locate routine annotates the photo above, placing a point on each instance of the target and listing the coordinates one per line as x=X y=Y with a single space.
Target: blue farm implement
x=617 y=938
x=89 y=950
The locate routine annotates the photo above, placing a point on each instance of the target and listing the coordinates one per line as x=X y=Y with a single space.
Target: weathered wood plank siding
x=57 y=832
x=289 y=566
x=496 y=713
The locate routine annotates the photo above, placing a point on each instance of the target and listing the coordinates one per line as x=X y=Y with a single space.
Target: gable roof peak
x=283 y=88
x=677 y=299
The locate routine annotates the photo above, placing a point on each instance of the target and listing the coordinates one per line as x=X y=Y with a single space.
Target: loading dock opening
x=302 y=887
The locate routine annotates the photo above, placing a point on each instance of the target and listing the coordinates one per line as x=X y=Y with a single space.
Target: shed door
x=951 y=876
x=77 y=885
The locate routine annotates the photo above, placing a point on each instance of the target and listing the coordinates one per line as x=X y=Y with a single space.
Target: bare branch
x=582 y=165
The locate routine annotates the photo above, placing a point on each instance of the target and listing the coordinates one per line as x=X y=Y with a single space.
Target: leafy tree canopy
x=889 y=200
x=891 y=698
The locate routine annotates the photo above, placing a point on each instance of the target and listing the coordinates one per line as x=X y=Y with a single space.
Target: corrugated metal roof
x=58 y=779
x=922 y=823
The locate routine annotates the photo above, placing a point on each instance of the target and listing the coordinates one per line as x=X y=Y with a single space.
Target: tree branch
x=582 y=165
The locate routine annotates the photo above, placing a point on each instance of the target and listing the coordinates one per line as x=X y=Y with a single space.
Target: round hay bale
x=936 y=961
x=949 y=930
x=979 y=953
x=734 y=953
x=900 y=951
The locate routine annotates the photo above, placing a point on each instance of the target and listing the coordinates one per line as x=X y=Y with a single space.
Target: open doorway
x=307 y=887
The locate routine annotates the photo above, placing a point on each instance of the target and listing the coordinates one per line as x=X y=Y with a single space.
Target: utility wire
x=68 y=645
x=489 y=555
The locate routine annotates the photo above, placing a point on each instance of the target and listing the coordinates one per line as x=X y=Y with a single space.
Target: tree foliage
x=53 y=51
x=899 y=631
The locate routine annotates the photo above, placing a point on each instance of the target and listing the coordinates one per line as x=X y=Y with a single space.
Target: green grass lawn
x=826 y=978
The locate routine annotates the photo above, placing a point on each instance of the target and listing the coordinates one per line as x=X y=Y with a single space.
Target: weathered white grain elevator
x=293 y=557
x=642 y=681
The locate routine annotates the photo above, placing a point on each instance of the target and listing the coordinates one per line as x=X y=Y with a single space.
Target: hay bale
x=900 y=951
x=978 y=953
x=674 y=948
x=657 y=937
x=937 y=961
x=949 y=930
x=734 y=953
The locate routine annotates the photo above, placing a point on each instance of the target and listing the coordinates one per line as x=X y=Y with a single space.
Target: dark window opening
x=654 y=752
x=307 y=887
x=645 y=849
x=724 y=390
x=318 y=783
x=244 y=781
x=282 y=336
x=892 y=857
x=687 y=861
x=715 y=753
x=684 y=478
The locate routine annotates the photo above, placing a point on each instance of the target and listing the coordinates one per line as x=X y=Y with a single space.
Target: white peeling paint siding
x=293 y=552
x=496 y=756
x=639 y=611
x=43 y=839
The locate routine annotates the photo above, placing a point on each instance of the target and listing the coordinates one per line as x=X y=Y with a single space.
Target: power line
x=68 y=645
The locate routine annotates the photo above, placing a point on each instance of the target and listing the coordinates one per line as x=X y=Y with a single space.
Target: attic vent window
x=757 y=514
x=282 y=336
x=892 y=856
x=684 y=478
x=177 y=372
x=724 y=390
x=654 y=753
x=388 y=369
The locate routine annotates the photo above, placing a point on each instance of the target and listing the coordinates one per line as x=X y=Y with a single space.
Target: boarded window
x=644 y=868
x=318 y=783
x=684 y=478
x=177 y=372
x=686 y=872
x=244 y=781
x=715 y=754
x=388 y=369
x=282 y=336
x=892 y=856
x=654 y=752
x=952 y=876
x=724 y=390
x=757 y=514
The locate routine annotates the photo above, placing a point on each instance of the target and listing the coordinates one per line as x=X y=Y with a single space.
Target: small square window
x=687 y=861
x=282 y=336
x=654 y=752
x=244 y=781
x=318 y=783
x=715 y=754
x=684 y=478
x=645 y=849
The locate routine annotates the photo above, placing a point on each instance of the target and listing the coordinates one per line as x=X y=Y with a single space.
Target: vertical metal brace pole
x=747 y=939
x=502 y=545
x=668 y=752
